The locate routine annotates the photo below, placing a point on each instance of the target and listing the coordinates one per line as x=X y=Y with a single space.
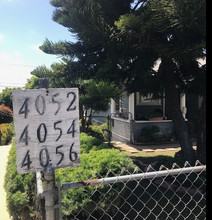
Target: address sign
x=46 y=128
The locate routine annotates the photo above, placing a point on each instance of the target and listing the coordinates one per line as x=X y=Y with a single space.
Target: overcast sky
x=24 y=26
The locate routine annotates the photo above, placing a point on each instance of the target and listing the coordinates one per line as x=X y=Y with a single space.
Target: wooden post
x=49 y=177
x=59 y=214
x=50 y=197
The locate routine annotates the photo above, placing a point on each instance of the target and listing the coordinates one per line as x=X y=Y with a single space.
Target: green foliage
x=98 y=94
x=96 y=161
x=41 y=72
x=6 y=114
x=150 y=134
x=32 y=83
x=88 y=143
x=98 y=131
x=6 y=133
x=6 y=97
x=96 y=97
x=121 y=40
x=153 y=134
x=20 y=189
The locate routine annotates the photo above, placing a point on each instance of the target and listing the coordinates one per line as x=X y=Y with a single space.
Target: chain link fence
x=171 y=194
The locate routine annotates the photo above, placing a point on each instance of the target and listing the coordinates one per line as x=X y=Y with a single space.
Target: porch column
x=113 y=106
x=183 y=105
x=132 y=104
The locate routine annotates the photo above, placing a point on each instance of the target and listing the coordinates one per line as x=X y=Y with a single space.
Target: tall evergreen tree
x=122 y=40
x=175 y=30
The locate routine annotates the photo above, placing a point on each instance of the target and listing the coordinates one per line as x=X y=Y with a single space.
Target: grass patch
x=155 y=158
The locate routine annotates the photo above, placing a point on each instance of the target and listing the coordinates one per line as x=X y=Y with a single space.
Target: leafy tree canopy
x=6 y=97
x=121 y=41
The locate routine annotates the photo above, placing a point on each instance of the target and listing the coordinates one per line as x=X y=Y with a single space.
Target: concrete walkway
x=146 y=148
x=4 y=151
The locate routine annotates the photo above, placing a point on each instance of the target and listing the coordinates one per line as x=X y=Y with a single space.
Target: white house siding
x=120 y=129
x=130 y=130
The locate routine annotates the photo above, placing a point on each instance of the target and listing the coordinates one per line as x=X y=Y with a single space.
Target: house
x=134 y=112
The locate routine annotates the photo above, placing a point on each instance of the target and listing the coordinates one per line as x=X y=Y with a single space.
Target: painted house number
x=46 y=128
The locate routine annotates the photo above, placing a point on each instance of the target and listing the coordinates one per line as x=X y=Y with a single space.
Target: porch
x=129 y=117
x=129 y=130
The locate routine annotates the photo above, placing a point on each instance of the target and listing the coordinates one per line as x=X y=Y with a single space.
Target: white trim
x=132 y=105
x=113 y=105
x=163 y=121
x=139 y=122
x=121 y=119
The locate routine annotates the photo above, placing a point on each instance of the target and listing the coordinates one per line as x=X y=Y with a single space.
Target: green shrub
x=99 y=162
x=88 y=143
x=6 y=114
x=150 y=134
x=98 y=131
x=6 y=133
x=20 y=189
x=95 y=163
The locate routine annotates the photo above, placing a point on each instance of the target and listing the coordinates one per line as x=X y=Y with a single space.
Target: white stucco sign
x=46 y=128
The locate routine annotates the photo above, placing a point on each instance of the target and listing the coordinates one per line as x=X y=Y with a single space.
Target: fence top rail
x=138 y=176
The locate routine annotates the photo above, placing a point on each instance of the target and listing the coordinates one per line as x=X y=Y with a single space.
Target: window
x=146 y=100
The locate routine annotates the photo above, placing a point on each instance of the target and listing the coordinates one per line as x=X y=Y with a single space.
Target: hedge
x=95 y=161
x=6 y=114
x=6 y=133
x=20 y=189
x=88 y=142
x=93 y=165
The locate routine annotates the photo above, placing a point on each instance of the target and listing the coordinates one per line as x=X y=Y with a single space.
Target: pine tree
x=122 y=40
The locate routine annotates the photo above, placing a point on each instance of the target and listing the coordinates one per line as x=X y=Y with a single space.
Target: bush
x=98 y=131
x=20 y=189
x=95 y=163
x=6 y=133
x=88 y=143
x=150 y=134
x=99 y=162
x=6 y=114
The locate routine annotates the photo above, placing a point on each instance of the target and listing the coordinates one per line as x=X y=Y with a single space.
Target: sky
x=24 y=26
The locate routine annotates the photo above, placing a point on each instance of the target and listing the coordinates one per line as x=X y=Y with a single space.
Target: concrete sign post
x=46 y=128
